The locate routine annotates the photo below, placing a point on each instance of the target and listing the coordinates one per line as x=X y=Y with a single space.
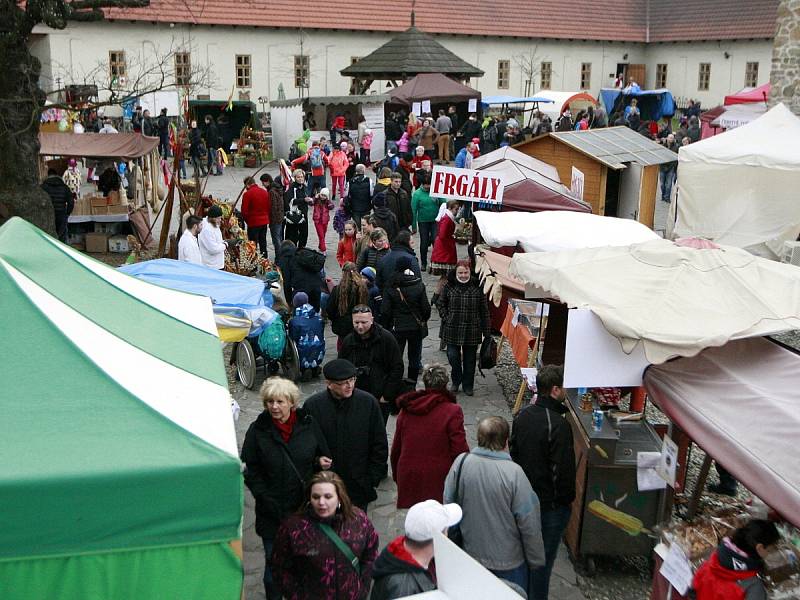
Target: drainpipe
x=647 y=21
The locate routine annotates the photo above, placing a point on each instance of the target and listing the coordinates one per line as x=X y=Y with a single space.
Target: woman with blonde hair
x=282 y=449
x=326 y=551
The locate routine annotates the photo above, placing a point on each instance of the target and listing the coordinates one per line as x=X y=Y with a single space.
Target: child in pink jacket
x=402 y=143
x=366 y=146
x=322 y=216
x=338 y=163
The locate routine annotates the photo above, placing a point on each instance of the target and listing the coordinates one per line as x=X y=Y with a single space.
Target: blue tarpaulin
x=653 y=104
x=230 y=293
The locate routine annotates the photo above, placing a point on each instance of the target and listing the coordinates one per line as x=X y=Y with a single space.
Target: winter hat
x=325 y=192
x=402 y=263
x=343 y=145
x=379 y=200
x=214 y=212
x=369 y=273
x=339 y=369
x=299 y=299
x=72 y=162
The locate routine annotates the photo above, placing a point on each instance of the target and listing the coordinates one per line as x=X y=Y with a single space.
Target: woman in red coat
x=443 y=256
x=429 y=435
x=255 y=210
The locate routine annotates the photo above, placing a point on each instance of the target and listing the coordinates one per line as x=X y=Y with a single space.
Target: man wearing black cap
x=212 y=246
x=351 y=422
x=376 y=355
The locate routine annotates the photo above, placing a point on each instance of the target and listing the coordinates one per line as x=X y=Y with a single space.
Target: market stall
x=714 y=398
x=740 y=188
x=617 y=168
x=114 y=208
x=231 y=117
x=439 y=92
x=667 y=300
x=289 y=116
x=121 y=465
x=561 y=101
x=653 y=104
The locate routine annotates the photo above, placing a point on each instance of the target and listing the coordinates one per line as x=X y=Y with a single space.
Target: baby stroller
x=306 y=331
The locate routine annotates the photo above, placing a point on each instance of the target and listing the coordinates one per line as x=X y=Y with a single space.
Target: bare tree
x=22 y=100
x=530 y=66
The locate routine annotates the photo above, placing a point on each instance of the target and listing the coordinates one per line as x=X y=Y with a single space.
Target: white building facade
x=252 y=62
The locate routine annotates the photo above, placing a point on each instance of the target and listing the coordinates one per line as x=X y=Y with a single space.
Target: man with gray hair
x=501 y=527
x=359 y=200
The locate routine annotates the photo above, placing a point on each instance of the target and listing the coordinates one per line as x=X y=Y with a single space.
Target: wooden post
x=162 y=243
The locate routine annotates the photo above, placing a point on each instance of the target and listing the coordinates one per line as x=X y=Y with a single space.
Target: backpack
x=273 y=339
x=389 y=161
x=316 y=158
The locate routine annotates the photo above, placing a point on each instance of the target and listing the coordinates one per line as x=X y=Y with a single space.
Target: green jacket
x=423 y=207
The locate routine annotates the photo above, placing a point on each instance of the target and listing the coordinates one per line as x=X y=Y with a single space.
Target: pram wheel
x=245 y=364
x=290 y=360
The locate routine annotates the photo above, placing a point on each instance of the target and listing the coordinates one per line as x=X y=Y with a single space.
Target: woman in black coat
x=465 y=316
x=295 y=209
x=307 y=275
x=282 y=449
x=405 y=312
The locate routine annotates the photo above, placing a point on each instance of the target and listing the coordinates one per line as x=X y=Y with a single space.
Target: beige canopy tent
x=716 y=396
x=671 y=299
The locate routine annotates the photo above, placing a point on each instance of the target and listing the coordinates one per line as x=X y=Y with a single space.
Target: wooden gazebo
x=408 y=54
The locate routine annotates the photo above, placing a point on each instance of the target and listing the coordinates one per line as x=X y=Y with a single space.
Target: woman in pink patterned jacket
x=307 y=564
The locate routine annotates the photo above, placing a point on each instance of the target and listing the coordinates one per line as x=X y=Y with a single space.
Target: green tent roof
x=116 y=431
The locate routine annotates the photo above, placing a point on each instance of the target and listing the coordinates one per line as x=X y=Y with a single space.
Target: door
x=636 y=73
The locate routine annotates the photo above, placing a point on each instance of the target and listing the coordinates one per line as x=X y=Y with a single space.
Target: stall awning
x=492 y=269
x=514 y=99
x=96 y=145
x=749 y=95
x=740 y=404
x=434 y=87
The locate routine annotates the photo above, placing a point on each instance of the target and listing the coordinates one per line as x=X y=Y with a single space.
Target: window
x=301 y=71
x=503 y=74
x=117 y=67
x=586 y=76
x=546 y=72
x=704 y=77
x=243 y=70
x=751 y=74
x=353 y=81
x=183 y=68
x=661 y=76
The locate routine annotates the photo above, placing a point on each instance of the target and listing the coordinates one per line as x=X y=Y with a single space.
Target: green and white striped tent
x=119 y=476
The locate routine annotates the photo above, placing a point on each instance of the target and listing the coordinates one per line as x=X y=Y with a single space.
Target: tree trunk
x=20 y=107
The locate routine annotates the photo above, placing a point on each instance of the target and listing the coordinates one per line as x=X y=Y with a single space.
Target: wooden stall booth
x=619 y=168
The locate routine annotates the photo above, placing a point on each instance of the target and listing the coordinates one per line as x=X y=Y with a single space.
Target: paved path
x=388 y=520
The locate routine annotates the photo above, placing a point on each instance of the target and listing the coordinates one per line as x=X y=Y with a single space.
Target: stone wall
x=785 y=77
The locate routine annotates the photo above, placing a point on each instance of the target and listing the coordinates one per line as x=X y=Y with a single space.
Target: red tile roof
x=605 y=20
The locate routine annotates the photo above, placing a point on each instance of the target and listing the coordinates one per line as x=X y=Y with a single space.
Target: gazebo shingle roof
x=410 y=53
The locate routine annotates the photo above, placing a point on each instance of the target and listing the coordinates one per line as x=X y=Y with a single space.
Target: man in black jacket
x=376 y=355
x=386 y=266
x=541 y=443
x=399 y=202
x=62 y=199
x=351 y=422
x=212 y=143
x=163 y=133
x=359 y=200
x=402 y=569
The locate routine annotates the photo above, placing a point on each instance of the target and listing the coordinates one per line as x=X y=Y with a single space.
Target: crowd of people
x=314 y=469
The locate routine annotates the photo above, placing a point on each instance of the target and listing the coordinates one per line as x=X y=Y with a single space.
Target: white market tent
x=668 y=299
x=740 y=188
x=559 y=230
x=737 y=115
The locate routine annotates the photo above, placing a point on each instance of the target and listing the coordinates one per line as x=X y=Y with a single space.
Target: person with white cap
x=402 y=569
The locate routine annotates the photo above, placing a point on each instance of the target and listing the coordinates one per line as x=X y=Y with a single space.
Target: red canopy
x=759 y=94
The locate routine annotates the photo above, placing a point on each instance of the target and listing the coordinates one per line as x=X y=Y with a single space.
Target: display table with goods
x=253 y=148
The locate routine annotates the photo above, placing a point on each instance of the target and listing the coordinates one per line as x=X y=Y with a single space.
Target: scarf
x=285 y=429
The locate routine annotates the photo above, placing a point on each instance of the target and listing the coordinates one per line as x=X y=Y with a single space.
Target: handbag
x=454 y=532
x=488 y=354
x=423 y=325
x=342 y=546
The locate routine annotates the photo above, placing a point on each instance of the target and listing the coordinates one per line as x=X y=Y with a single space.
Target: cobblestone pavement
x=388 y=520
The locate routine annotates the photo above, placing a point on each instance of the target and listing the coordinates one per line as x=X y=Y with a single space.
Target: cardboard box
x=82 y=207
x=97 y=242
x=95 y=201
x=118 y=243
x=117 y=209
x=113 y=197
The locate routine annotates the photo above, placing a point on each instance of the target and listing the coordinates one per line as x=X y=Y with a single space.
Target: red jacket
x=338 y=163
x=346 y=251
x=715 y=581
x=429 y=435
x=444 y=247
x=315 y=172
x=256 y=206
